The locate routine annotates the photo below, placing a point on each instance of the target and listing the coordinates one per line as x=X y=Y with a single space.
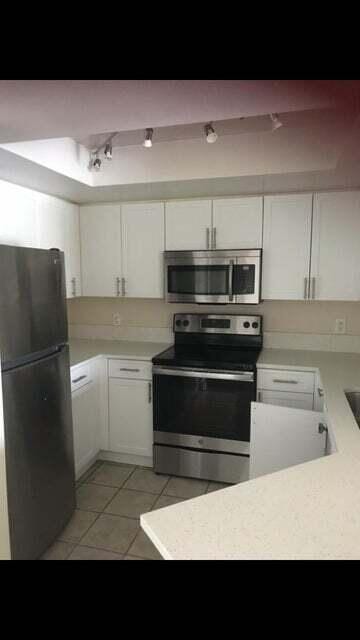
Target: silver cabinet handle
x=73 y=283
x=322 y=427
x=123 y=290
x=286 y=381
x=313 y=288
x=150 y=393
x=207 y=238
x=259 y=396
x=305 y=288
x=231 y=269
x=214 y=238
x=78 y=379
x=130 y=370
x=320 y=392
x=117 y=286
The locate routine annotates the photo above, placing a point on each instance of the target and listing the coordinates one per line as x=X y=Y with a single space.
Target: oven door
x=203 y=409
x=204 y=280
x=247 y=280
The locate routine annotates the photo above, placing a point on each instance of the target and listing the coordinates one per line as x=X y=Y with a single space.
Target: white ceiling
x=38 y=109
x=321 y=133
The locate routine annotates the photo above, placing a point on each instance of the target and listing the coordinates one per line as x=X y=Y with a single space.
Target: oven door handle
x=215 y=375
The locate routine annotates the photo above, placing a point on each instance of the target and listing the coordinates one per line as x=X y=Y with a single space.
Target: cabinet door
x=72 y=250
x=142 y=249
x=58 y=226
x=286 y=399
x=286 y=246
x=335 y=264
x=85 y=409
x=237 y=223
x=130 y=416
x=17 y=216
x=282 y=437
x=188 y=225
x=100 y=238
x=318 y=394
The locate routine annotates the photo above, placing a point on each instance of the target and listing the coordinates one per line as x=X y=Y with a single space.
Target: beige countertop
x=82 y=350
x=309 y=511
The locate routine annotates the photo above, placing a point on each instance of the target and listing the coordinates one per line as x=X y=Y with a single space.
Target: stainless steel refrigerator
x=36 y=398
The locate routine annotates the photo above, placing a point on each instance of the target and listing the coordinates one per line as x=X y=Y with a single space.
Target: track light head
x=108 y=151
x=210 y=133
x=148 y=138
x=275 y=121
x=97 y=164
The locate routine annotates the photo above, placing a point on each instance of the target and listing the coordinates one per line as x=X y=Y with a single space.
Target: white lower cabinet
x=319 y=404
x=130 y=416
x=86 y=415
x=281 y=437
x=286 y=399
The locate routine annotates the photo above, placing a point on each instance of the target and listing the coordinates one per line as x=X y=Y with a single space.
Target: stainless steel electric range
x=203 y=387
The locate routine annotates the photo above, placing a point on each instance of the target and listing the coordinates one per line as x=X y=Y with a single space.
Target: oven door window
x=203 y=407
x=198 y=280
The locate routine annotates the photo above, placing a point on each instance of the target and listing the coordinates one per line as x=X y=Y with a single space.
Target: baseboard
x=126 y=458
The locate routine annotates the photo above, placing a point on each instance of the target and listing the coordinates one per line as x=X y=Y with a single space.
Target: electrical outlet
x=340 y=325
x=116 y=319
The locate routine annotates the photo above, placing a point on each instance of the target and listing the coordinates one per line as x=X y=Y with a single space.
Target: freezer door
x=39 y=453
x=32 y=302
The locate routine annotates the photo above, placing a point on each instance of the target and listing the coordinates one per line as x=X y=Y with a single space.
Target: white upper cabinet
x=142 y=250
x=72 y=250
x=188 y=225
x=58 y=227
x=100 y=236
x=237 y=223
x=335 y=262
x=17 y=215
x=286 y=246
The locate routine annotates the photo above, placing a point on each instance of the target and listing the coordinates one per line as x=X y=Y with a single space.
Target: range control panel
x=211 y=323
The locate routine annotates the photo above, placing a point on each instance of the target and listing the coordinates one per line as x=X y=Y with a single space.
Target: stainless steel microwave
x=213 y=277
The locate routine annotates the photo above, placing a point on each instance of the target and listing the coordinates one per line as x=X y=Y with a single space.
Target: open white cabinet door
x=282 y=437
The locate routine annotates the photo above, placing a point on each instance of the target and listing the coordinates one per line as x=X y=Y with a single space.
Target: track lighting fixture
x=108 y=151
x=148 y=138
x=210 y=133
x=96 y=163
x=275 y=121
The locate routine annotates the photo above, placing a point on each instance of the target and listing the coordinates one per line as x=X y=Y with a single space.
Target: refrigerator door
x=32 y=302
x=39 y=453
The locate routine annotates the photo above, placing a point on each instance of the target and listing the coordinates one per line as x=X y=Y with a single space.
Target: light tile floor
x=110 y=499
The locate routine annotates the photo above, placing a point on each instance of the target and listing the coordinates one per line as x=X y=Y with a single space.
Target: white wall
x=62 y=155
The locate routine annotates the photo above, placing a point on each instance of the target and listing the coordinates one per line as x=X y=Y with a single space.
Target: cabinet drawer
x=286 y=380
x=130 y=369
x=80 y=375
x=286 y=399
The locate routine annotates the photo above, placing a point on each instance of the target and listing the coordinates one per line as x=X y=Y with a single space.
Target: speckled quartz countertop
x=309 y=511
x=82 y=350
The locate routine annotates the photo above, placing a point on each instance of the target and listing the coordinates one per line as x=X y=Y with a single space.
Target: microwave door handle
x=231 y=274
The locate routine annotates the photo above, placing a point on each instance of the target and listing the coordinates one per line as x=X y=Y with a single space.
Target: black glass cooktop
x=208 y=357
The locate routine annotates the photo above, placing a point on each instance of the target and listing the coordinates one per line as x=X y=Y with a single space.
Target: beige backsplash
x=310 y=317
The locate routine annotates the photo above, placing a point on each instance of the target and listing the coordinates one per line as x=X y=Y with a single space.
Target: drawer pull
x=78 y=379
x=130 y=370
x=285 y=381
